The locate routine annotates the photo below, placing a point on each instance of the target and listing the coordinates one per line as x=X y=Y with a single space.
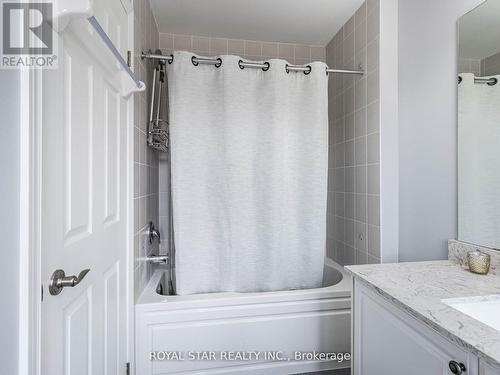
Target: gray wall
x=427 y=125
x=9 y=219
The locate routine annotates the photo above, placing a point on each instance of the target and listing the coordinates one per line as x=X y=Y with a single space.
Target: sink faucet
x=153 y=233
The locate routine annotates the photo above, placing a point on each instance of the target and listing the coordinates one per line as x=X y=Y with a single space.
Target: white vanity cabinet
x=487 y=369
x=389 y=341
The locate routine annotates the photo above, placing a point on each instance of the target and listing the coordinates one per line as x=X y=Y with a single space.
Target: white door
x=84 y=202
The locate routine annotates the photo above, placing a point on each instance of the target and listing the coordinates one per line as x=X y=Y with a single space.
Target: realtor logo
x=27 y=36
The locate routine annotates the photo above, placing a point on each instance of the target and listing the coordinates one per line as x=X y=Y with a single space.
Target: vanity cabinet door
x=486 y=369
x=388 y=341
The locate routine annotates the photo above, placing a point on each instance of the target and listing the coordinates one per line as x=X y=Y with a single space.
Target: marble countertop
x=419 y=287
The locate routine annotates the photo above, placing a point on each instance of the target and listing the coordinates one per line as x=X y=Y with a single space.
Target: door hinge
x=127 y=368
x=129 y=58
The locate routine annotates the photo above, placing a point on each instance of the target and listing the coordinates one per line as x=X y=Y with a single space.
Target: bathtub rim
x=149 y=296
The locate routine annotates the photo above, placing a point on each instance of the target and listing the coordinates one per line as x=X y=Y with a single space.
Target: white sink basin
x=486 y=309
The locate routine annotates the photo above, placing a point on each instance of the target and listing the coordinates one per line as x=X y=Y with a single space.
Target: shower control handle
x=59 y=281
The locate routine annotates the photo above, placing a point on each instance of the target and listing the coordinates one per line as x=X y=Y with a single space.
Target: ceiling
x=479 y=31
x=288 y=21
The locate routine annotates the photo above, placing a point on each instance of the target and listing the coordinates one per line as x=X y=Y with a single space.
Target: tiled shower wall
x=353 y=221
x=248 y=49
x=469 y=66
x=145 y=159
x=491 y=65
x=486 y=67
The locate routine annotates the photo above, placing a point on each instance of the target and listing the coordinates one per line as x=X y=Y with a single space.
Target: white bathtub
x=257 y=326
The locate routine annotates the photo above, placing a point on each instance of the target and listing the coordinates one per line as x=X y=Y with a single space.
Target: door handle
x=59 y=281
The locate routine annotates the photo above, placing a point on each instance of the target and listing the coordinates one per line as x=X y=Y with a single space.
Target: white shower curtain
x=479 y=162
x=249 y=152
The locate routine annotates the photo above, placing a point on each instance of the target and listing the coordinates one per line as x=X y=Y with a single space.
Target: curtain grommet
x=194 y=62
x=219 y=64
x=239 y=64
x=267 y=66
x=306 y=72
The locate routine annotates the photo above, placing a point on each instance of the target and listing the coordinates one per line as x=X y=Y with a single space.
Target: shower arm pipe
x=491 y=81
x=158 y=105
x=250 y=64
x=151 y=111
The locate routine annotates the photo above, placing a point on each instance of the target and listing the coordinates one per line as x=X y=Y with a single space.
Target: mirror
x=479 y=126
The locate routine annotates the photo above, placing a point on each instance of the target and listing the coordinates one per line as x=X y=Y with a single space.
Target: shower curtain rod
x=247 y=64
x=489 y=81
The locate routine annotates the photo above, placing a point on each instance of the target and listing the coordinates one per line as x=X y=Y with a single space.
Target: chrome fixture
x=457 y=368
x=157 y=56
x=489 y=81
x=59 y=281
x=153 y=233
x=157 y=259
x=100 y=31
x=171 y=248
x=247 y=64
x=158 y=135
